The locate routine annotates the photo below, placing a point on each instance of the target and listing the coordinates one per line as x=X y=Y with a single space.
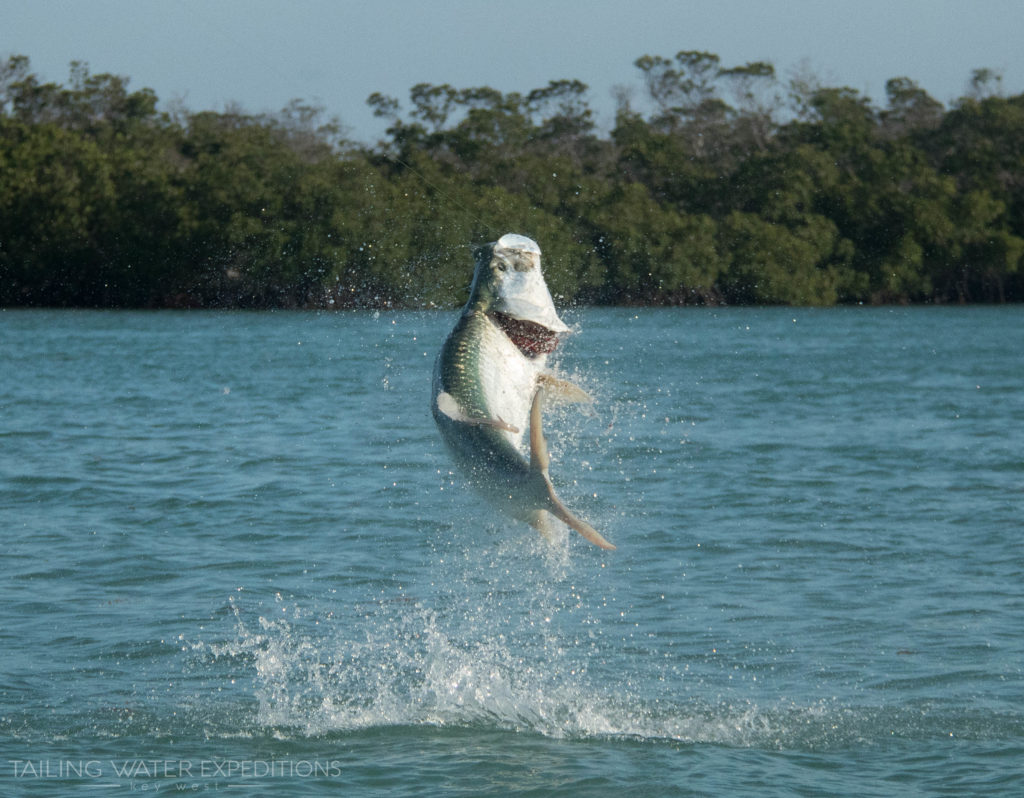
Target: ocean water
x=236 y=559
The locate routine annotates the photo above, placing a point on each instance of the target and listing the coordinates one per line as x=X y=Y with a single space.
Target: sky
x=261 y=54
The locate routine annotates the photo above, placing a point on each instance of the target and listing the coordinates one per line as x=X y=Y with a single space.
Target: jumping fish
x=490 y=382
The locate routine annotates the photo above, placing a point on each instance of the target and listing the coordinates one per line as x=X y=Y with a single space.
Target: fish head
x=508 y=280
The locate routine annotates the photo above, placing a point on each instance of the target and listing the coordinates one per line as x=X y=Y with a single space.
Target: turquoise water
x=236 y=559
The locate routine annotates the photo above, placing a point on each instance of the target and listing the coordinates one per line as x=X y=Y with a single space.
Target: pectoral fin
x=539 y=461
x=448 y=405
x=563 y=390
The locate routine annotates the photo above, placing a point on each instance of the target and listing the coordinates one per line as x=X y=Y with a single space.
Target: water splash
x=476 y=660
x=483 y=653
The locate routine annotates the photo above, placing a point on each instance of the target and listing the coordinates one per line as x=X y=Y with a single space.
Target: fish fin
x=563 y=390
x=495 y=423
x=539 y=460
x=448 y=405
x=562 y=513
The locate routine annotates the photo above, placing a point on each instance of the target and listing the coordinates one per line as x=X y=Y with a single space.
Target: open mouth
x=532 y=338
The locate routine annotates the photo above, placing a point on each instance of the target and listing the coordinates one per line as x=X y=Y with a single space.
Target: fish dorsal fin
x=563 y=514
x=539 y=461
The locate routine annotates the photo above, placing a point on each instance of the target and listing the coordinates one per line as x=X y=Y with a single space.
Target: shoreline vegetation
x=719 y=186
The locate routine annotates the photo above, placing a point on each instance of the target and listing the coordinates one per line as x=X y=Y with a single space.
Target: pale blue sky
x=263 y=53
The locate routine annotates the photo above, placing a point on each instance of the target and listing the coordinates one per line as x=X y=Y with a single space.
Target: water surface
x=236 y=557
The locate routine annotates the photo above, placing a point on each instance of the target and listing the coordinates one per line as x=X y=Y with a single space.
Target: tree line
x=716 y=185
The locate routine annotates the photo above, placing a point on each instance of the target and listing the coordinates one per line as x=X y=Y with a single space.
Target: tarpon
x=490 y=382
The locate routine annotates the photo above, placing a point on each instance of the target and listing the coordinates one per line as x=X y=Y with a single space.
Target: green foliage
x=722 y=186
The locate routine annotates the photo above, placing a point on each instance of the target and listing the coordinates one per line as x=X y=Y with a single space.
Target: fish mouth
x=532 y=338
x=521 y=291
x=520 y=252
x=528 y=300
